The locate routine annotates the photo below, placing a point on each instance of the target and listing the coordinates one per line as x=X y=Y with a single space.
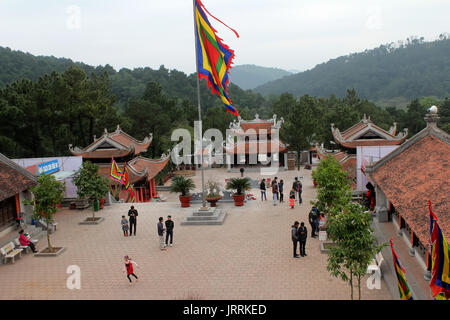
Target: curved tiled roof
x=414 y=173
x=13 y=178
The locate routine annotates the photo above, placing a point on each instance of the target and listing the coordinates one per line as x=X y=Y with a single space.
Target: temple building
x=362 y=144
x=255 y=143
x=405 y=179
x=125 y=150
x=15 y=183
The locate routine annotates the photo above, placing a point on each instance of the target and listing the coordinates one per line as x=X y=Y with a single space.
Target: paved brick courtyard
x=248 y=257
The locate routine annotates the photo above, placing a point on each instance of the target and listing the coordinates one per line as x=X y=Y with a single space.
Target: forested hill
x=249 y=76
x=125 y=84
x=413 y=69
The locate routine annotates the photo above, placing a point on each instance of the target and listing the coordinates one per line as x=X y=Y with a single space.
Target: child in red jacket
x=129 y=268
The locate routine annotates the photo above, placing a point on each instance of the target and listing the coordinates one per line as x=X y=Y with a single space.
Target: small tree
x=333 y=188
x=46 y=195
x=90 y=184
x=355 y=246
x=239 y=184
x=182 y=185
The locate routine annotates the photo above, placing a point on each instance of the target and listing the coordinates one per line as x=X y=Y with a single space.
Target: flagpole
x=199 y=109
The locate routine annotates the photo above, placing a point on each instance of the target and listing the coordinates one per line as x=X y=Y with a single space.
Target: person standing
x=297 y=185
x=133 y=213
x=295 y=238
x=302 y=234
x=129 y=268
x=161 y=230
x=275 y=191
x=292 y=198
x=262 y=187
x=280 y=190
x=124 y=223
x=313 y=221
x=169 y=230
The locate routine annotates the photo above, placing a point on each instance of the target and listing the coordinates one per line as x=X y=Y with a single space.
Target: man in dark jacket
x=302 y=234
x=297 y=186
x=295 y=238
x=132 y=213
x=161 y=230
x=262 y=187
x=313 y=216
x=169 y=230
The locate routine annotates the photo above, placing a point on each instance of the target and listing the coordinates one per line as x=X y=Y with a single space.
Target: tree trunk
x=80 y=126
x=351 y=284
x=91 y=127
x=359 y=287
x=298 y=159
x=48 y=235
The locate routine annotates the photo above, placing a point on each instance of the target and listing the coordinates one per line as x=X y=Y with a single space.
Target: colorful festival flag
x=403 y=288
x=125 y=178
x=214 y=58
x=115 y=172
x=440 y=252
x=132 y=193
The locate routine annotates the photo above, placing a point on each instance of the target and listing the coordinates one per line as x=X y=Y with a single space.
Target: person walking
x=313 y=217
x=297 y=186
x=124 y=224
x=295 y=238
x=133 y=213
x=262 y=187
x=161 y=230
x=129 y=268
x=280 y=190
x=275 y=191
x=292 y=198
x=302 y=234
x=169 y=230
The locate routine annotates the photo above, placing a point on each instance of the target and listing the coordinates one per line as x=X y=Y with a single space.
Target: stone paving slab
x=248 y=257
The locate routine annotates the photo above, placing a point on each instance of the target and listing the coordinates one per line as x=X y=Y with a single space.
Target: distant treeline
x=42 y=117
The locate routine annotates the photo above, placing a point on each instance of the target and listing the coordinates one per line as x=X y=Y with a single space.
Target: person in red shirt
x=24 y=241
x=129 y=268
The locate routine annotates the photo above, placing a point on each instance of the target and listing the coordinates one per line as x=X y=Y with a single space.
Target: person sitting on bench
x=24 y=241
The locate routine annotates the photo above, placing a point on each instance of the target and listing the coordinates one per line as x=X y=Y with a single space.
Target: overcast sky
x=288 y=34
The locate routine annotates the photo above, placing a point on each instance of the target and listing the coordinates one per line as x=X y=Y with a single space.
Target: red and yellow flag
x=214 y=58
x=115 y=172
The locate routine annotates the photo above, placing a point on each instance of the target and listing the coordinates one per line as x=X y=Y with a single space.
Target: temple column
x=154 y=187
x=150 y=189
x=285 y=161
x=142 y=198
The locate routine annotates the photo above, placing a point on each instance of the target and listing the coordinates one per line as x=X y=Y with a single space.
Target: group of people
x=299 y=232
x=277 y=191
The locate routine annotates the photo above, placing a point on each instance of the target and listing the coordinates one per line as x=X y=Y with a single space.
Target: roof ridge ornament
x=432 y=117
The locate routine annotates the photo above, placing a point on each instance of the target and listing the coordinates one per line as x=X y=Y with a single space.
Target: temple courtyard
x=248 y=257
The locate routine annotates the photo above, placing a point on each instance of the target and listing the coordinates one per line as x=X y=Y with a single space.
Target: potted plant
x=183 y=185
x=213 y=194
x=92 y=186
x=240 y=185
x=46 y=195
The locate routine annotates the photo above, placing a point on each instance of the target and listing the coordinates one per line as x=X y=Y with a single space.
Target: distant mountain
x=249 y=76
x=393 y=72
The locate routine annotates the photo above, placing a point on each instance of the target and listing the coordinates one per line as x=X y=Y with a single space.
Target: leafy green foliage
x=90 y=184
x=182 y=185
x=47 y=194
x=333 y=189
x=238 y=184
x=355 y=244
x=411 y=70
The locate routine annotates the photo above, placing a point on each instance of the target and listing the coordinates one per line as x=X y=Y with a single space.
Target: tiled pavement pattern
x=248 y=257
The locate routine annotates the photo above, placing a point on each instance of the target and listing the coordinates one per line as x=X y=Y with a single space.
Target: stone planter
x=185 y=201
x=92 y=220
x=213 y=201
x=325 y=246
x=239 y=199
x=47 y=253
x=82 y=203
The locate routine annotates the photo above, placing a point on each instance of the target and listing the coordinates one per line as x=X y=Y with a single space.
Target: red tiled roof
x=371 y=142
x=127 y=140
x=103 y=154
x=257 y=126
x=252 y=147
x=13 y=178
x=419 y=173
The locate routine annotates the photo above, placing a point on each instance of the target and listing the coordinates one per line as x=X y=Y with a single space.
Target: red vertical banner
x=17 y=203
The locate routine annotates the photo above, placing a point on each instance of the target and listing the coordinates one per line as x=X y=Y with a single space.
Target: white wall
x=376 y=152
x=65 y=164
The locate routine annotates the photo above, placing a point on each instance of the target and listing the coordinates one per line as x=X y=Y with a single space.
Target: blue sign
x=48 y=167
